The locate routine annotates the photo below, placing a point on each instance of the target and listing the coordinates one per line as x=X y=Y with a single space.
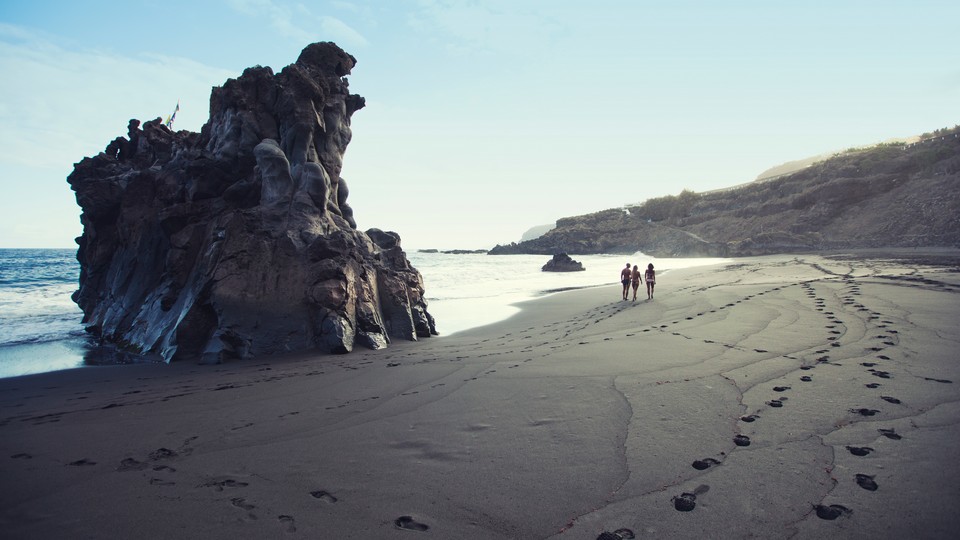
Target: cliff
x=890 y=195
x=238 y=241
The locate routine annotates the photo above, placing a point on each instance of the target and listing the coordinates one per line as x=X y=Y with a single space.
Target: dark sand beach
x=772 y=397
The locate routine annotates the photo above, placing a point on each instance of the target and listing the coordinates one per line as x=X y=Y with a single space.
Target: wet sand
x=773 y=397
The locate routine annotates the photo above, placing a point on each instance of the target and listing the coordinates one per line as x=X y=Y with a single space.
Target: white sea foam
x=469 y=290
x=40 y=328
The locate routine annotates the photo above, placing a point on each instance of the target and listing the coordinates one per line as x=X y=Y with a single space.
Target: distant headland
x=900 y=194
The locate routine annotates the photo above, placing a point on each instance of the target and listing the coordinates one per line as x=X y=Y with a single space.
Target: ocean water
x=40 y=327
x=466 y=291
x=41 y=330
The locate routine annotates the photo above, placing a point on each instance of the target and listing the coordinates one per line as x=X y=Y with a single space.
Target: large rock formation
x=239 y=241
x=889 y=195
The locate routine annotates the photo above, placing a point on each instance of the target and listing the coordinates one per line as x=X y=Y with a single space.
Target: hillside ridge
x=888 y=195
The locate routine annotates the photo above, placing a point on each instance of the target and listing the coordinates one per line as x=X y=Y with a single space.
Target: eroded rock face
x=239 y=241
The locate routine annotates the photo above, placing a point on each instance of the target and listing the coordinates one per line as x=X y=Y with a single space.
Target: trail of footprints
x=886 y=338
x=160 y=470
x=156 y=462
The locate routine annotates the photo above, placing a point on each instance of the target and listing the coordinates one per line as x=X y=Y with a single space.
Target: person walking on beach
x=651 y=277
x=635 y=281
x=625 y=280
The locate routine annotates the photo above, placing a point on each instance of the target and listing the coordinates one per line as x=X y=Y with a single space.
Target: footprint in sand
x=859 y=451
x=945 y=381
x=780 y=388
x=324 y=496
x=82 y=463
x=741 y=440
x=890 y=434
x=220 y=484
x=21 y=455
x=873 y=385
x=864 y=412
x=130 y=464
x=161 y=482
x=831 y=512
x=703 y=464
x=806 y=378
x=775 y=403
x=866 y=482
x=410 y=524
x=240 y=502
x=749 y=418
x=686 y=502
x=162 y=453
x=889 y=399
x=288 y=522
x=619 y=534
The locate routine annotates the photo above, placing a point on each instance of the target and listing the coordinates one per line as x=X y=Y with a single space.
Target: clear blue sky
x=484 y=118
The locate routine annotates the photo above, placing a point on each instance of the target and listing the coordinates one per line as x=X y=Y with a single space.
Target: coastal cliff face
x=238 y=241
x=891 y=195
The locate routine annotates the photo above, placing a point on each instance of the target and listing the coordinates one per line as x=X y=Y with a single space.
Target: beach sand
x=751 y=399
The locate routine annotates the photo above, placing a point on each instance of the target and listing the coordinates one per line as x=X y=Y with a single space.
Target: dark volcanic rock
x=561 y=262
x=239 y=241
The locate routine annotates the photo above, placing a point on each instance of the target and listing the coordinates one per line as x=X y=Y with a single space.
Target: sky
x=484 y=118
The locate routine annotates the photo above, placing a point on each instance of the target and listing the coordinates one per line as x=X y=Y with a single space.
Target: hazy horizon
x=483 y=119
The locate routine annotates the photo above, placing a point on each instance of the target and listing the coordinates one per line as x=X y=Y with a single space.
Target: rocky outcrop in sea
x=238 y=241
x=561 y=262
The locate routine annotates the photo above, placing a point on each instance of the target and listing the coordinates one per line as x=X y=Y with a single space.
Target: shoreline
x=747 y=399
x=456 y=304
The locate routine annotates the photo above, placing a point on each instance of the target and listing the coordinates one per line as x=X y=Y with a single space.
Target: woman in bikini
x=635 y=279
x=651 y=280
x=625 y=279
